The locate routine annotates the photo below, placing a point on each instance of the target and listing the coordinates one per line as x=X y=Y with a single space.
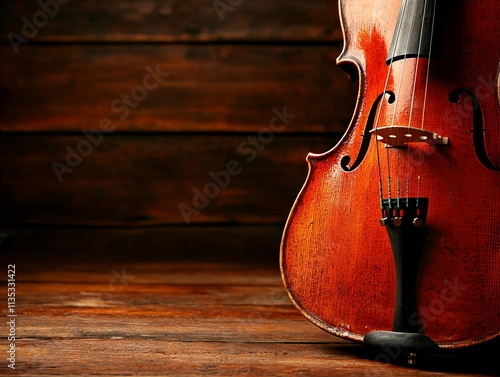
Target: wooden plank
x=152 y=180
x=179 y=88
x=121 y=357
x=218 y=319
x=173 y=273
x=180 y=310
x=126 y=246
x=168 y=21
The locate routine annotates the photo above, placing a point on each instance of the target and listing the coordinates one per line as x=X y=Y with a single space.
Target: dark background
x=229 y=72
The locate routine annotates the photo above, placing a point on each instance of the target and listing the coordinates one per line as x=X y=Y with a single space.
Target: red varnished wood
x=336 y=259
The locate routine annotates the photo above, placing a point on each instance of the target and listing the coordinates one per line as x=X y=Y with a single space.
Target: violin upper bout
x=349 y=63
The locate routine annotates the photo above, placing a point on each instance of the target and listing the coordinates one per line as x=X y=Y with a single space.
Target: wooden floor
x=185 y=319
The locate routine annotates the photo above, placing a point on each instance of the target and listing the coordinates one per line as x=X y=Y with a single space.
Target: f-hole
x=365 y=143
x=478 y=127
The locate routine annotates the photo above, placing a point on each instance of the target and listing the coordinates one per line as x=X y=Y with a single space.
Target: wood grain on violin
x=397 y=228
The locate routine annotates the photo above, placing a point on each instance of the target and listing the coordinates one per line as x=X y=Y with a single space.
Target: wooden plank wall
x=113 y=114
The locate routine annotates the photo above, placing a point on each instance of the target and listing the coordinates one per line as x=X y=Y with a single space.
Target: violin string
x=379 y=112
x=416 y=67
x=428 y=64
x=412 y=102
x=398 y=93
x=377 y=146
x=426 y=88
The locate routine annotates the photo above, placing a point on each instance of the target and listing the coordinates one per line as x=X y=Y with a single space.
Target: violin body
x=426 y=130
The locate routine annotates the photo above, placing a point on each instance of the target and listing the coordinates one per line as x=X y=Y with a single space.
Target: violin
x=394 y=238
